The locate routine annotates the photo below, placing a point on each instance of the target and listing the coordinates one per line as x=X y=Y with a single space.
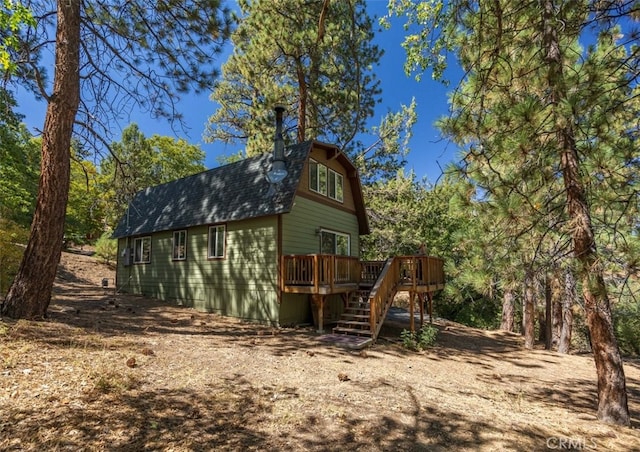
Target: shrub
x=13 y=238
x=626 y=320
x=419 y=340
x=107 y=248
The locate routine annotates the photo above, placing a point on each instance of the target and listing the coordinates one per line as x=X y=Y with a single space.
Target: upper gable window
x=336 y=189
x=142 y=250
x=217 y=239
x=325 y=181
x=179 y=245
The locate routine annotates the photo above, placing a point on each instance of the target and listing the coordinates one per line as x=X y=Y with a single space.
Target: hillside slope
x=115 y=372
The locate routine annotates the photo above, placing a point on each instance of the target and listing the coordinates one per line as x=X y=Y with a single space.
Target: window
x=179 y=245
x=335 y=185
x=332 y=242
x=217 y=238
x=326 y=181
x=322 y=179
x=313 y=175
x=142 y=250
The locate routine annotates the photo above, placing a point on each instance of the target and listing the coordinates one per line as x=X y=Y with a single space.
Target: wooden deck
x=320 y=275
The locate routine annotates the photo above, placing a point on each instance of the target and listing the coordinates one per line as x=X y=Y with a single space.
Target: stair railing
x=381 y=295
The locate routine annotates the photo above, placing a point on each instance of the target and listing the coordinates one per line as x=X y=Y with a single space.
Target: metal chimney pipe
x=278 y=167
x=278 y=148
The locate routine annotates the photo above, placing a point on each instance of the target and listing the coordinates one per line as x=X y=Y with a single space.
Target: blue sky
x=428 y=151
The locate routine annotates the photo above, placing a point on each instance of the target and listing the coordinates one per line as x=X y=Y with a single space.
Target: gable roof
x=233 y=192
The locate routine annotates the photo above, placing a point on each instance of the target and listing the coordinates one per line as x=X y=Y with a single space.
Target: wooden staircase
x=366 y=310
x=355 y=320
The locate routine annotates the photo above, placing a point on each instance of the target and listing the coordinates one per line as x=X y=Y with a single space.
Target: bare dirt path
x=109 y=372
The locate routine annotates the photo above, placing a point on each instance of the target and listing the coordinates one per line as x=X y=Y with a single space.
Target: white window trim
x=342 y=234
x=316 y=189
x=176 y=243
x=224 y=241
x=337 y=175
x=335 y=186
x=135 y=246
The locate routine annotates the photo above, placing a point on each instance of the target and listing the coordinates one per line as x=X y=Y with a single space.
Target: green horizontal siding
x=300 y=236
x=300 y=226
x=243 y=284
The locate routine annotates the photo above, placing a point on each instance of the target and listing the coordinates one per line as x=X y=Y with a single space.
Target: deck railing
x=319 y=270
x=369 y=271
x=413 y=273
x=420 y=270
x=381 y=295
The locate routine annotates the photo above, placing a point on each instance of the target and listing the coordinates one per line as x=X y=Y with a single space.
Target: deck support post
x=421 y=303
x=318 y=303
x=412 y=295
x=430 y=298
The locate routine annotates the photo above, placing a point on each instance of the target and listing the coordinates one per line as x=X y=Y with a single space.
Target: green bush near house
x=419 y=340
x=107 y=248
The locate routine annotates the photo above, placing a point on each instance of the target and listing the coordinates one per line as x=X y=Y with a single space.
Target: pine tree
x=522 y=118
x=108 y=56
x=314 y=57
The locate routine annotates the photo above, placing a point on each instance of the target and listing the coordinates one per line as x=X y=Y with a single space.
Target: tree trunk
x=508 y=310
x=30 y=292
x=556 y=314
x=612 y=392
x=547 y=313
x=302 y=106
x=528 y=311
x=568 y=301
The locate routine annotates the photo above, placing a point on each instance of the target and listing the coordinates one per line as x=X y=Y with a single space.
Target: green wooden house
x=230 y=241
x=215 y=240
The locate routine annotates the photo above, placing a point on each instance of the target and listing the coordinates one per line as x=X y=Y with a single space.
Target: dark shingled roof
x=228 y=193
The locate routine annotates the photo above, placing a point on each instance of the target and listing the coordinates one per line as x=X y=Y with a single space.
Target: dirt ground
x=126 y=373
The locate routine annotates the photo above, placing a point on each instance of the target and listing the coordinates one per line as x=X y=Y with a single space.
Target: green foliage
x=138 y=162
x=19 y=165
x=13 y=239
x=84 y=217
x=419 y=340
x=107 y=248
x=508 y=128
x=405 y=212
x=13 y=17
x=386 y=155
x=477 y=311
x=314 y=57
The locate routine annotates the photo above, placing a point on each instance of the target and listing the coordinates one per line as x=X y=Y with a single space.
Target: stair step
x=342 y=330
x=357 y=305
x=360 y=313
x=352 y=323
x=355 y=316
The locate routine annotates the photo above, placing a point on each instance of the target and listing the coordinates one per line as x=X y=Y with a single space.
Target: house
x=214 y=240
x=230 y=241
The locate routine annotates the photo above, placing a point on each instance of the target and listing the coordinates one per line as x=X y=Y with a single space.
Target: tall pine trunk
x=548 y=316
x=612 y=392
x=568 y=301
x=556 y=308
x=508 y=310
x=30 y=292
x=529 y=310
